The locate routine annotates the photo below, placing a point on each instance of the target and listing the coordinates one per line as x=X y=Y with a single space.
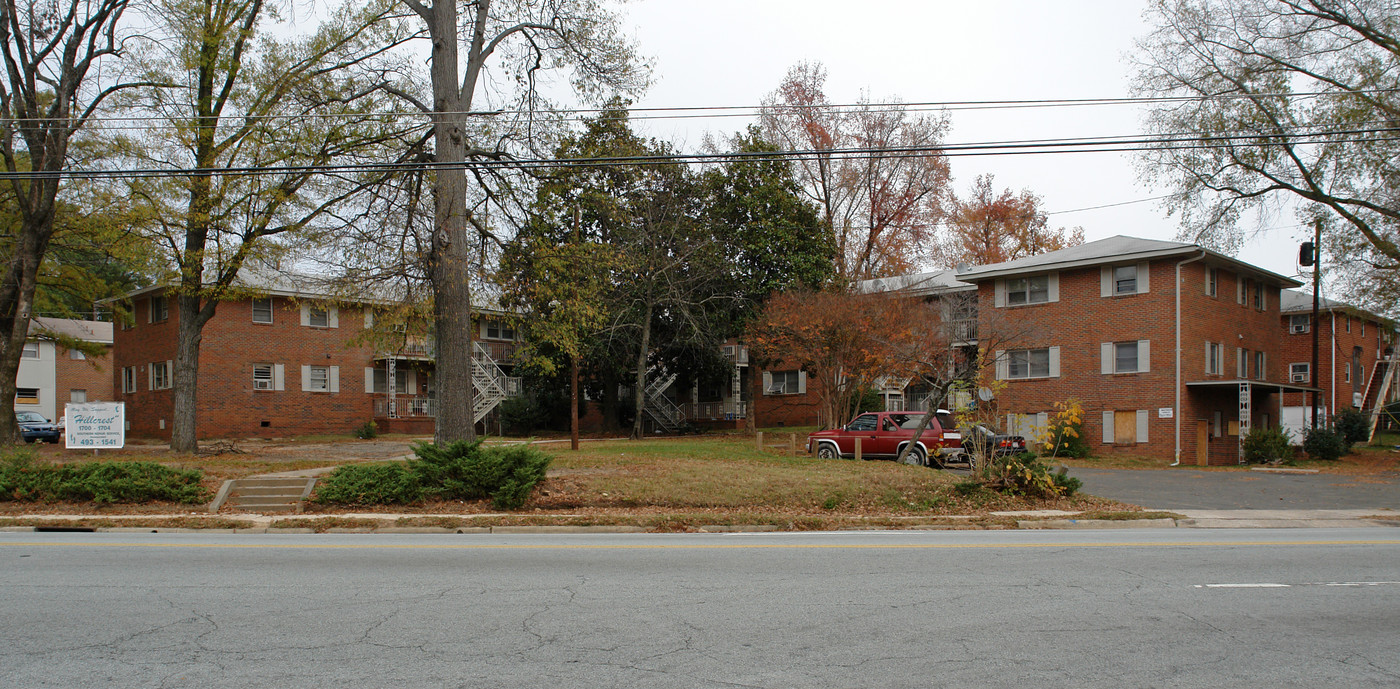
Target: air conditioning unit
x=1297 y=328
x=1300 y=377
x=262 y=384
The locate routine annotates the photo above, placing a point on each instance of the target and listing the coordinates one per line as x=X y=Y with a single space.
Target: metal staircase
x=1376 y=387
x=489 y=382
x=668 y=417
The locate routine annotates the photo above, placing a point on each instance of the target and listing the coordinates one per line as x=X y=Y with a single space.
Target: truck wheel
x=827 y=451
x=916 y=456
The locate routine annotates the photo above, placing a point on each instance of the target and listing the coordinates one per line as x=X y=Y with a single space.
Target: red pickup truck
x=883 y=434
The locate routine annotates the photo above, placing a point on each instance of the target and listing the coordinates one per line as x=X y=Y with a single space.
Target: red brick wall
x=1082 y=320
x=784 y=410
x=1332 y=371
x=93 y=374
x=232 y=343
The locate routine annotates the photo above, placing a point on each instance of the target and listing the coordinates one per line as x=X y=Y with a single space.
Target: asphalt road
x=1145 y=608
x=1185 y=489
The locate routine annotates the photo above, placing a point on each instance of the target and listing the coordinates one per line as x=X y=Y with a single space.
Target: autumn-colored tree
x=845 y=342
x=988 y=227
x=873 y=170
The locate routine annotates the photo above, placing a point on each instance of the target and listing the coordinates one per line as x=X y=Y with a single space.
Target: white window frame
x=1027 y=290
x=790 y=383
x=128 y=380
x=1123 y=284
x=255 y=311
x=314 y=313
x=161 y=375
x=264 y=376
x=1242 y=356
x=1214 y=358
x=1027 y=356
x=319 y=380
x=1299 y=324
x=1212 y=282
x=31 y=350
x=496 y=329
x=1118 y=349
x=158 y=309
x=1261 y=365
x=1300 y=372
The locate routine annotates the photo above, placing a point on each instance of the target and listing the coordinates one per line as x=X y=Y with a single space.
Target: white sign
x=1164 y=412
x=95 y=425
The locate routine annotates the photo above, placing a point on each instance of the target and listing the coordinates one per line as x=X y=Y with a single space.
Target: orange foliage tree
x=875 y=172
x=989 y=227
x=845 y=342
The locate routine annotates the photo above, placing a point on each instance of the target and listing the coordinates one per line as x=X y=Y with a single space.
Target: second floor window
x=1298 y=324
x=262 y=310
x=160 y=309
x=160 y=375
x=31 y=350
x=1213 y=359
x=129 y=379
x=318 y=317
x=1299 y=373
x=1259 y=369
x=1125 y=357
x=1028 y=363
x=1125 y=280
x=1031 y=290
x=499 y=330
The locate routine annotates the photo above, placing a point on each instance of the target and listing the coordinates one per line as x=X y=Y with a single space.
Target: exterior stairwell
x=488 y=382
x=1380 y=381
x=264 y=495
x=668 y=417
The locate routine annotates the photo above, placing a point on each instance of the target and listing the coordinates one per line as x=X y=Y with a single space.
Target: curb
x=1164 y=523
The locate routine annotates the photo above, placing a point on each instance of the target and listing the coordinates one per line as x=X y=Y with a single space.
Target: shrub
x=1064 y=436
x=466 y=471
x=1354 y=425
x=1025 y=474
x=367 y=431
x=1325 y=444
x=1268 y=445
x=103 y=483
x=370 y=484
x=522 y=415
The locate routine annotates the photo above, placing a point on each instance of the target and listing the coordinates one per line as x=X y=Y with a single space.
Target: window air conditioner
x=262 y=385
x=1297 y=328
x=1300 y=377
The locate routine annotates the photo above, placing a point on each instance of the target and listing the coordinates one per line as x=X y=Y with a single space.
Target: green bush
x=1026 y=475
x=1268 y=445
x=367 y=431
x=1354 y=425
x=1325 y=444
x=370 y=484
x=103 y=483
x=522 y=415
x=466 y=471
x=1069 y=440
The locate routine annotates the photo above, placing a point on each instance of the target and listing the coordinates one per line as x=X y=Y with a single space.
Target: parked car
x=884 y=434
x=33 y=426
x=992 y=444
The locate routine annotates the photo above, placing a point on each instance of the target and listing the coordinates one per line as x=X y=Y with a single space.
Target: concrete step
x=286 y=482
x=290 y=491
x=265 y=494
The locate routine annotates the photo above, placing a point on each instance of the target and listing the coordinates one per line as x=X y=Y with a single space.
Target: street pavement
x=1137 y=608
x=1190 y=489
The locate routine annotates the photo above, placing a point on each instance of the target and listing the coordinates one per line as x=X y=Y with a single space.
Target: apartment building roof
x=934 y=282
x=1292 y=301
x=88 y=331
x=1119 y=248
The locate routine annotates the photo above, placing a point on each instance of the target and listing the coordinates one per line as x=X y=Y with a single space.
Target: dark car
x=978 y=440
x=33 y=426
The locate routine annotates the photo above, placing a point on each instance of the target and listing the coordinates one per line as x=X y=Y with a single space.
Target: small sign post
x=95 y=425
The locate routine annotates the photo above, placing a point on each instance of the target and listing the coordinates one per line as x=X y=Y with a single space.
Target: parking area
x=1184 y=489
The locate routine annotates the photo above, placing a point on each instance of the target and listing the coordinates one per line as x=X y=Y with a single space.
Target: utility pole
x=1313 y=376
x=573 y=365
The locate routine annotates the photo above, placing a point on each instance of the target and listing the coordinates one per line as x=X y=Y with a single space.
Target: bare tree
x=52 y=52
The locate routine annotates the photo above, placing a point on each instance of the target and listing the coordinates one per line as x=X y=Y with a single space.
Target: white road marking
x=1245 y=586
x=1353 y=584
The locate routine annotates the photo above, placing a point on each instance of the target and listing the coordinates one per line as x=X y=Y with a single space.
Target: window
x=1347 y=320
x=1298 y=324
x=1125 y=280
x=1213 y=359
x=1031 y=290
x=1028 y=363
x=1363 y=328
x=160 y=375
x=1346 y=374
x=499 y=330
x=381 y=381
x=320 y=379
x=864 y=422
x=262 y=377
x=1299 y=373
x=262 y=310
x=26 y=395
x=785 y=383
x=318 y=317
x=129 y=379
x=78 y=396
x=1125 y=357
x=1212 y=280
x=1259 y=370
x=1259 y=295
x=1242 y=364
x=31 y=350
x=160 y=309
x=76 y=355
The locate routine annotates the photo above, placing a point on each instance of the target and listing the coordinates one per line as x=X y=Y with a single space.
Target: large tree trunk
x=189 y=333
x=17 y=302
x=639 y=399
x=449 y=267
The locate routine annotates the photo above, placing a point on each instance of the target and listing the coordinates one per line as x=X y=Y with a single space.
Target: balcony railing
x=410 y=406
x=964 y=331
x=715 y=411
x=502 y=352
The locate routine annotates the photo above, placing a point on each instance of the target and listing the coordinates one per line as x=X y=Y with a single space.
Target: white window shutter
x=1106 y=357
x=169 y=373
x=1108 y=428
x=151 y=377
x=335 y=379
x=369 y=318
x=1042 y=421
x=1143 y=270
x=1207 y=359
x=369 y=379
x=1000 y=363
x=1105 y=281
x=305 y=314
x=332 y=317
x=1142 y=425
x=279 y=377
x=801 y=382
x=1144 y=355
x=1054 y=362
x=767 y=382
x=1011 y=424
x=1239 y=289
x=1264 y=299
x=999 y=298
x=306 y=379
x=1054 y=287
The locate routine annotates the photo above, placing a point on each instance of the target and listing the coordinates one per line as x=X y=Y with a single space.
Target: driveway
x=1185 y=489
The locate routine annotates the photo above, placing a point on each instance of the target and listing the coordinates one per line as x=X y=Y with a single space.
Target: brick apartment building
x=51 y=375
x=292 y=361
x=1354 y=351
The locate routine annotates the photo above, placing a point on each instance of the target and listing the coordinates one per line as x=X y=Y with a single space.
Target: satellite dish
x=984 y=393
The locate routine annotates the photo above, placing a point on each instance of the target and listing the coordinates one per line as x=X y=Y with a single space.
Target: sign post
x=95 y=425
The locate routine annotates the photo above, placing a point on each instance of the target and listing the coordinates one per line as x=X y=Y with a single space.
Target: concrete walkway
x=1178 y=490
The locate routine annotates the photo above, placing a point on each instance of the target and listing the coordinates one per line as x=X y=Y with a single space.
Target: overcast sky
x=733 y=52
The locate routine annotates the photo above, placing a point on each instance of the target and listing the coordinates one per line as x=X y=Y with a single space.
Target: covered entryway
x=1222 y=412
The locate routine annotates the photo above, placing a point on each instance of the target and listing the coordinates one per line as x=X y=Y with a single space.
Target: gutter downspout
x=1176 y=414
x=1331 y=377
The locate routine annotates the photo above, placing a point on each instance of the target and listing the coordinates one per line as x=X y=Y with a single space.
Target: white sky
x=733 y=52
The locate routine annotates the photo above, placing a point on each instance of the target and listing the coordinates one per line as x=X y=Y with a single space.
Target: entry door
x=1356 y=371
x=1124 y=427
x=1202 y=443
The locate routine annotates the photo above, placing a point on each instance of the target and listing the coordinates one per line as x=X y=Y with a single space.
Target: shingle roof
x=1292 y=301
x=1110 y=250
x=90 y=331
x=919 y=283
